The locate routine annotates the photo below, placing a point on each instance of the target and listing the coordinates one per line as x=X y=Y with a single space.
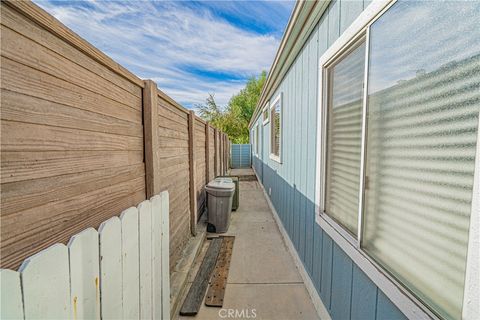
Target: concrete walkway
x=263 y=282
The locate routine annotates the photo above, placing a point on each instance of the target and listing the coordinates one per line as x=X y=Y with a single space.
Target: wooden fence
x=82 y=139
x=119 y=272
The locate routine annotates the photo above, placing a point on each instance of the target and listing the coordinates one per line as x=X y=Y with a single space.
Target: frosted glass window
x=276 y=127
x=423 y=106
x=345 y=93
x=265 y=116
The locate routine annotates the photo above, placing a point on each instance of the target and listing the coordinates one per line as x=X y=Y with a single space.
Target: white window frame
x=266 y=109
x=409 y=304
x=278 y=100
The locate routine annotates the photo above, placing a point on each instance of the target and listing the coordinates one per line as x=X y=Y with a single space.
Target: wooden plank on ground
x=218 y=282
x=194 y=298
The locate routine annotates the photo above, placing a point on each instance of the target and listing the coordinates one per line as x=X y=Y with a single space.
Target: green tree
x=234 y=118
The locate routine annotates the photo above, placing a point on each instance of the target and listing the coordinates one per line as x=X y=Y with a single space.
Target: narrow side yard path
x=263 y=281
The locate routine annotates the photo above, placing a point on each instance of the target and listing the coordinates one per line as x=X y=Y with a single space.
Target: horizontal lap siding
x=174 y=172
x=200 y=170
x=71 y=140
x=345 y=290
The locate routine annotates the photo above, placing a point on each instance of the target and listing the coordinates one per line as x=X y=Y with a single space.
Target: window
x=344 y=137
x=265 y=114
x=276 y=129
x=397 y=161
x=256 y=139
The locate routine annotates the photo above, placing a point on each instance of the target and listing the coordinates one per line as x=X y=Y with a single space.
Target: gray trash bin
x=220 y=196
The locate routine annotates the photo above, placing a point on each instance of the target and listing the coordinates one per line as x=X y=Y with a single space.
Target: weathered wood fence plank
x=85 y=274
x=156 y=202
x=130 y=264
x=145 y=235
x=165 y=256
x=110 y=268
x=11 y=305
x=46 y=284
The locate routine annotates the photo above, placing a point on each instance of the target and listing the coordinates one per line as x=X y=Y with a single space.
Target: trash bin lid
x=224 y=179
x=221 y=184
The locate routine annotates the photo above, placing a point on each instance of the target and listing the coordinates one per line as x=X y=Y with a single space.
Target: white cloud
x=170 y=43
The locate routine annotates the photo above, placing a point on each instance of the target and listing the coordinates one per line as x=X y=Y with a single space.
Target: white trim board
x=394 y=292
x=316 y=300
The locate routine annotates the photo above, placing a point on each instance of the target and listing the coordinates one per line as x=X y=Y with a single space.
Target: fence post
x=150 y=128
x=207 y=152
x=215 y=153
x=227 y=152
x=220 y=153
x=224 y=154
x=192 y=165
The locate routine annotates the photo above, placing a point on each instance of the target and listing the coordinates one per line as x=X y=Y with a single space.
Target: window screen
x=423 y=106
x=345 y=86
x=276 y=127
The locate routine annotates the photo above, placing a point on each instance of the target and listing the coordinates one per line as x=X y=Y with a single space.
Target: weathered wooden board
x=150 y=121
x=28 y=166
x=218 y=281
x=165 y=255
x=130 y=264
x=156 y=202
x=145 y=258
x=30 y=53
x=110 y=273
x=52 y=25
x=30 y=29
x=24 y=108
x=23 y=195
x=29 y=81
x=85 y=274
x=11 y=305
x=20 y=136
x=88 y=209
x=196 y=293
x=46 y=284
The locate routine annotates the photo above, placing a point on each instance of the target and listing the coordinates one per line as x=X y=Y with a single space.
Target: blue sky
x=190 y=48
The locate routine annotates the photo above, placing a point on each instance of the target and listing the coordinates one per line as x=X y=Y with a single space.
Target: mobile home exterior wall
x=345 y=290
x=342 y=286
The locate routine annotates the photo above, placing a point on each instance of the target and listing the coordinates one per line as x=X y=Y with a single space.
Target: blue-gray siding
x=344 y=289
x=241 y=156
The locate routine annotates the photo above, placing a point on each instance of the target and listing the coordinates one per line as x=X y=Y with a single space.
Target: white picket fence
x=120 y=271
